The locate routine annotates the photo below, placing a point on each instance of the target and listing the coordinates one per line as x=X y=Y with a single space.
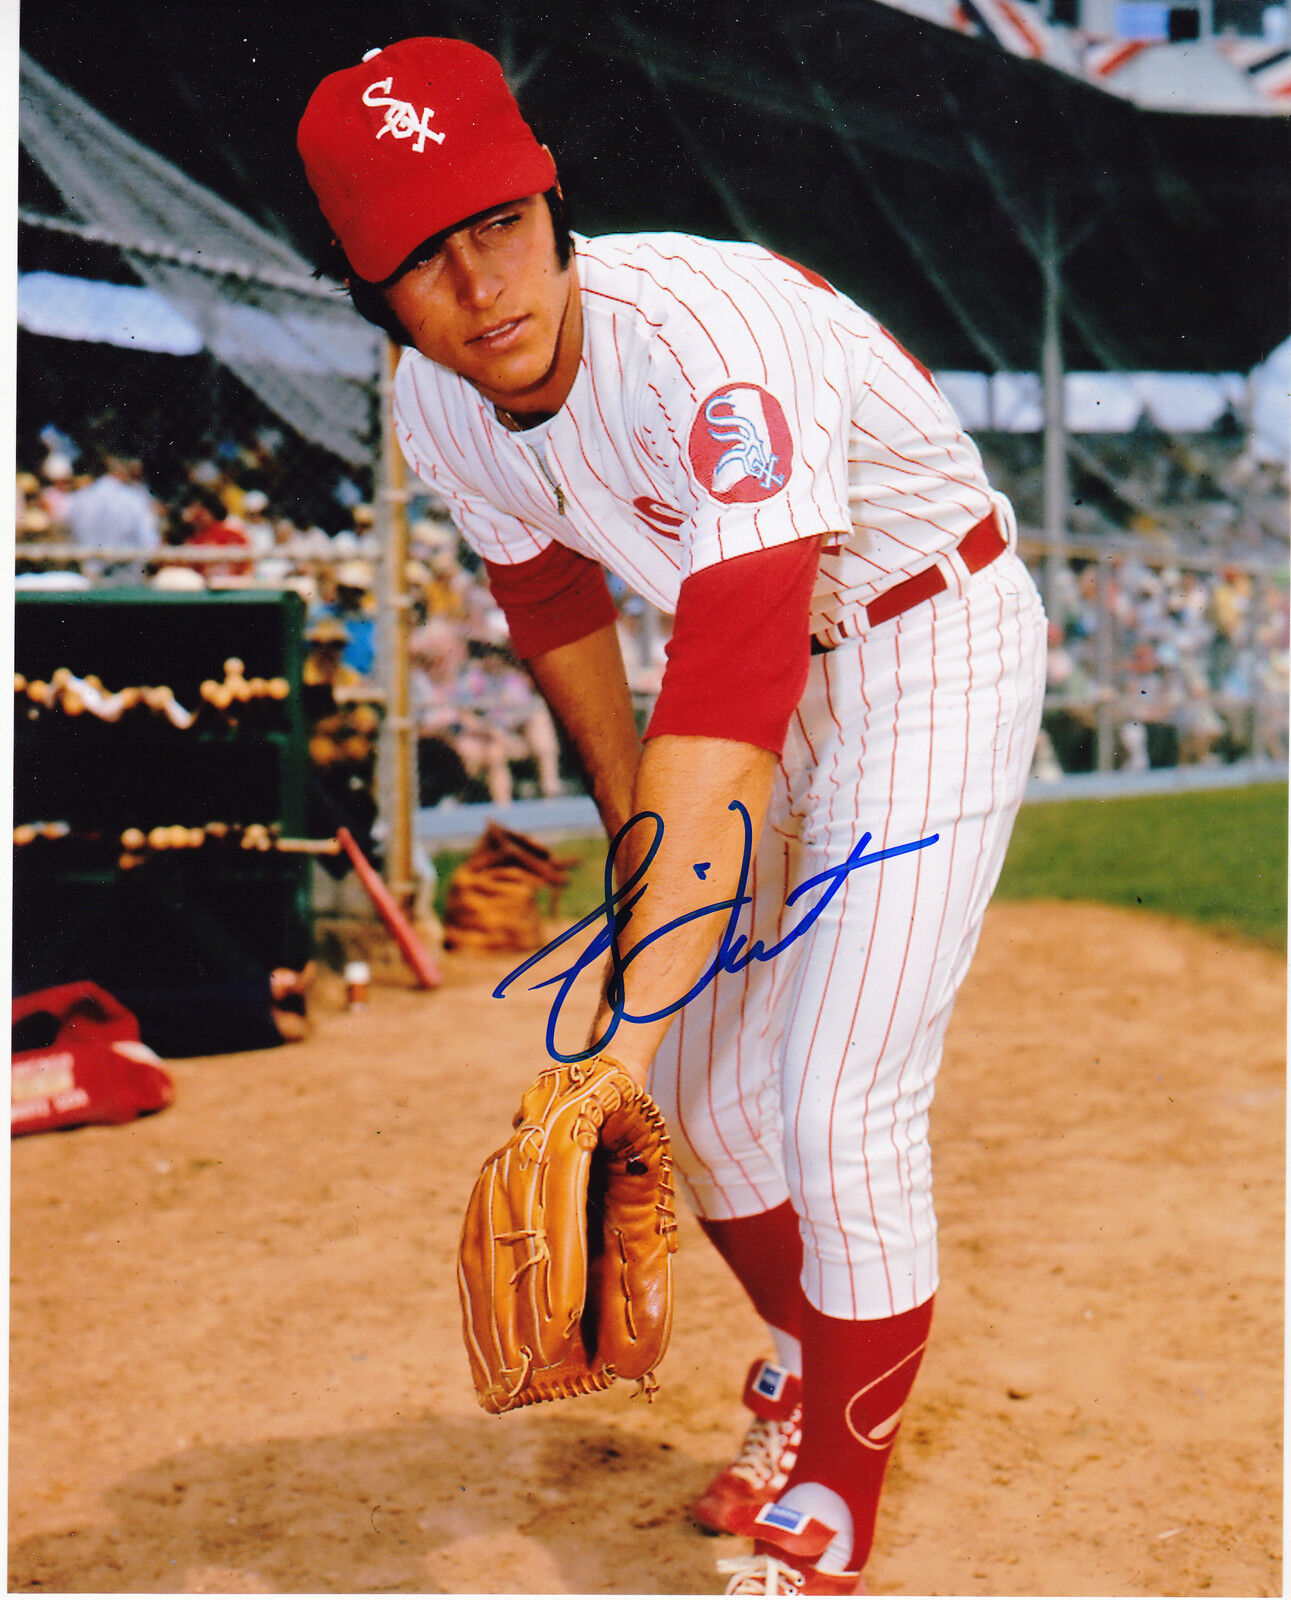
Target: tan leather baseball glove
x=564 y=1267
x=493 y=895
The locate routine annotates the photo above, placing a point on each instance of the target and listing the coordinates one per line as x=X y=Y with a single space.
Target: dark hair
x=197 y=495
x=369 y=298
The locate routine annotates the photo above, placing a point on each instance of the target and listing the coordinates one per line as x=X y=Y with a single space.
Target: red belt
x=977 y=549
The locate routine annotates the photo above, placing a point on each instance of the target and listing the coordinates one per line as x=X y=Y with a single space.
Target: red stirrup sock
x=856 y=1379
x=764 y=1252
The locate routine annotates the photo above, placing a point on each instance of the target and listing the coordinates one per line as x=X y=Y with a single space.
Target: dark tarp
x=917 y=168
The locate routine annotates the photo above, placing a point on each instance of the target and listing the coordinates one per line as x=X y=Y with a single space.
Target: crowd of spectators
x=482 y=730
x=1153 y=661
x=1177 y=666
x=1218 y=494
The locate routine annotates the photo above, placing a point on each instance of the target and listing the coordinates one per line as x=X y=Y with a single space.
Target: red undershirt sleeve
x=554 y=598
x=740 y=648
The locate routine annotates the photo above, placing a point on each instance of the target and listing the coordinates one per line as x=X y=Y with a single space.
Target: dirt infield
x=236 y=1363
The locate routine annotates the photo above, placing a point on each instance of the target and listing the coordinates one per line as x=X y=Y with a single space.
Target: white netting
x=295 y=341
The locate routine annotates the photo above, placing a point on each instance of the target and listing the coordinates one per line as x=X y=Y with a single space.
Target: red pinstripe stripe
x=1016 y=676
x=815 y=419
x=682 y=1123
x=811 y=960
x=503 y=480
x=890 y=403
x=980 y=869
x=667 y=420
x=714 y=1121
x=923 y=468
x=618 y=353
x=856 y=555
x=980 y=865
x=666 y=289
x=448 y=427
x=945 y=447
x=924 y=394
x=878 y=897
x=717 y=289
x=657 y=337
x=532 y=536
x=561 y=475
x=745 y=981
x=1107 y=65
x=922 y=519
x=595 y=387
x=639 y=577
x=786 y=884
x=756 y=287
x=931 y=956
x=806 y=737
x=591 y=292
x=775 y=1044
x=834 y=953
x=922 y=472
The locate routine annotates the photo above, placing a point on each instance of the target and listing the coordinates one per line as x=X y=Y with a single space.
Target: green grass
x=1217 y=857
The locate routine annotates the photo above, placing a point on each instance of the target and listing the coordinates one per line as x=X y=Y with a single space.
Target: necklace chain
x=547 y=473
x=512 y=423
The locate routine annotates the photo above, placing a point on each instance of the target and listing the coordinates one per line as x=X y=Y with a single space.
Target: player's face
x=495 y=306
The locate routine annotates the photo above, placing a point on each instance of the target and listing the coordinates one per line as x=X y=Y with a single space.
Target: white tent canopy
x=62 y=307
x=1096 y=402
x=1270 y=412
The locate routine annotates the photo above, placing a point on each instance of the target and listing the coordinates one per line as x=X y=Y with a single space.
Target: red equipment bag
x=94 y=1067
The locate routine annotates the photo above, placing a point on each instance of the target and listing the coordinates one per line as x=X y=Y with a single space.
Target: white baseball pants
x=810 y=1076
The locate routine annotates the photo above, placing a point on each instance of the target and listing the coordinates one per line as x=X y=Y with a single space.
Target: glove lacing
x=541 y=1249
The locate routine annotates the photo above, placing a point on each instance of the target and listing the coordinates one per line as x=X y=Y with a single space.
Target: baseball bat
x=404 y=936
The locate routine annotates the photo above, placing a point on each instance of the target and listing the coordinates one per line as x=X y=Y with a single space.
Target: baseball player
x=842 y=736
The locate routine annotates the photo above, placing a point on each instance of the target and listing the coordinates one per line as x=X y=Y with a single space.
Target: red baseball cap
x=419 y=136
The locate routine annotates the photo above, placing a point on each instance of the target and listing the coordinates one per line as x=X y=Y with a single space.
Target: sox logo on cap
x=381 y=205
x=401 y=117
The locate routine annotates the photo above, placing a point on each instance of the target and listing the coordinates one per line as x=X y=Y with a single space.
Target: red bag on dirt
x=82 y=1061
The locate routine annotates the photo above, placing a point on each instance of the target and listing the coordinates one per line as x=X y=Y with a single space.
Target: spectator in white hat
x=255 y=521
x=58 y=488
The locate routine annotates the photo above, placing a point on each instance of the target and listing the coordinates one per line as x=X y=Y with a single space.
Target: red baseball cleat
x=761 y=1470
x=787 y=1542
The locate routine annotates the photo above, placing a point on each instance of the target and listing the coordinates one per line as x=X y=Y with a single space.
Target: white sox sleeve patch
x=740 y=446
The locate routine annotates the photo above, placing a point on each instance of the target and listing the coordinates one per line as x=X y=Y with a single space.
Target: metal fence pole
x=1105 y=720
x=397 y=752
x=1057 y=493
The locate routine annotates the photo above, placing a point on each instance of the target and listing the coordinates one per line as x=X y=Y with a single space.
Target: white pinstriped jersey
x=726 y=401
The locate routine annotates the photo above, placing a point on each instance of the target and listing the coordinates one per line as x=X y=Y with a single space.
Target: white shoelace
x=768 y=1453
x=760 y=1575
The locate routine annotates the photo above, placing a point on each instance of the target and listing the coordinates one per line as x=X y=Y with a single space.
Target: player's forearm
x=690 y=783
x=586 y=688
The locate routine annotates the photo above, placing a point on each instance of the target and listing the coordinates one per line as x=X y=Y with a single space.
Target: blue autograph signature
x=612 y=916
